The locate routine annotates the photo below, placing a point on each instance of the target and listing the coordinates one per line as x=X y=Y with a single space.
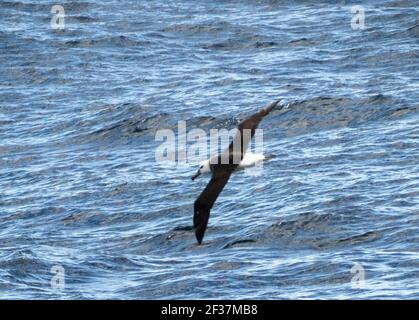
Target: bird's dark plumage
x=222 y=170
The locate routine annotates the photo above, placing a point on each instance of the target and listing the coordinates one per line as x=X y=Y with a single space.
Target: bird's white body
x=249 y=160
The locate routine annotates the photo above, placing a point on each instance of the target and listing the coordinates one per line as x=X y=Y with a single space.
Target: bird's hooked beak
x=196 y=175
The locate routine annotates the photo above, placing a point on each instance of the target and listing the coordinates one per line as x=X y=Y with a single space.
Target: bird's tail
x=269 y=156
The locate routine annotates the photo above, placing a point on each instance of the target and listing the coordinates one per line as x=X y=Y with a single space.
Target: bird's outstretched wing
x=205 y=201
x=246 y=131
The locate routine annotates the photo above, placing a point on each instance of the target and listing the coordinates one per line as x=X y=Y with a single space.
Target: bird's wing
x=206 y=199
x=242 y=138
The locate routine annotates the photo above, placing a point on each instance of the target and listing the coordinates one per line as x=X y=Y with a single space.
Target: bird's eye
x=201 y=167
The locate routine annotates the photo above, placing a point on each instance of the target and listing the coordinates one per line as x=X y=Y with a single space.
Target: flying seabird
x=223 y=165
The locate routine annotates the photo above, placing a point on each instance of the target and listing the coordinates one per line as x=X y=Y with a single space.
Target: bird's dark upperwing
x=246 y=131
x=205 y=201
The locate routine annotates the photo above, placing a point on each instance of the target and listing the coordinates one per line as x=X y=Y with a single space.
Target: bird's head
x=203 y=168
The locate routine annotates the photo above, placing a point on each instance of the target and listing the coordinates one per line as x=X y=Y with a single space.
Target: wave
x=312 y=115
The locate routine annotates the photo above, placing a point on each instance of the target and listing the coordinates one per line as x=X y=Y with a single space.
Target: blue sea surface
x=335 y=215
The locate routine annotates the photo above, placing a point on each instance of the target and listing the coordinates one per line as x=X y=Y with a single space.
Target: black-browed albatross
x=223 y=165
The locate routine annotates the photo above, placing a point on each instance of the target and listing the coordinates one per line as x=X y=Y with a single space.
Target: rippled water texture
x=80 y=187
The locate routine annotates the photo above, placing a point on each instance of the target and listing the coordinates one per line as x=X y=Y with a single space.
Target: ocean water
x=86 y=212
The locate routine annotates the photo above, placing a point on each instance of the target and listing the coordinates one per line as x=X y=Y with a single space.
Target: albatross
x=222 y=166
